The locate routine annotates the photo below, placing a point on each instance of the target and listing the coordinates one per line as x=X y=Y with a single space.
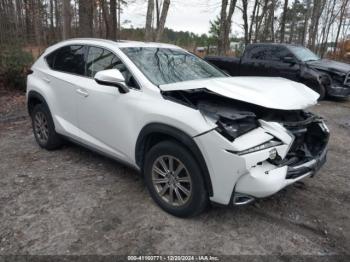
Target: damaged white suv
x=195 y=133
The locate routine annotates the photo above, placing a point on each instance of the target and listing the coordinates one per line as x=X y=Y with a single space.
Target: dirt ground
x=73 y=201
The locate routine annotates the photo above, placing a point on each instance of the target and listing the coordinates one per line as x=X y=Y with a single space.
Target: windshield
x=303 y=54
x=165 y=66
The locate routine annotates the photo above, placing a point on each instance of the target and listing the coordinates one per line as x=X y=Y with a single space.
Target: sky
x=184 y=15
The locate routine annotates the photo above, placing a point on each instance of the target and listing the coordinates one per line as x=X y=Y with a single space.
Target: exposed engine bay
x=235 y=118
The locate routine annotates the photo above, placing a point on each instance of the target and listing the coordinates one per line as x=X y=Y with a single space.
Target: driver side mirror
x=289 y=60
x=112 y=77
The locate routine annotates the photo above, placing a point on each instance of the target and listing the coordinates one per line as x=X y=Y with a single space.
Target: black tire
x=53 y=140
x=318 y=88
x=198 y=199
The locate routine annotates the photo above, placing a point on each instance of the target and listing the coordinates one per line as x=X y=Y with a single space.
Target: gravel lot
x=73 y=201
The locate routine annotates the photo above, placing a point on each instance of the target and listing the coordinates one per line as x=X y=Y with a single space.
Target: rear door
x=254 y=62
x=66 y=68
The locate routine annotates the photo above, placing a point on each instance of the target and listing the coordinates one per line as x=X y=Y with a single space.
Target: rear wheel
x=174 y=180
x=44 y=129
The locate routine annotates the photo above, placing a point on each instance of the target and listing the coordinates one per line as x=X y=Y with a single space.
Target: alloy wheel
x=171 y=180
x=41 y=127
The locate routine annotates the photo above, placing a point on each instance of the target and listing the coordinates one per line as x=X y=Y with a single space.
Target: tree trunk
x=149 y=17
x=66 y=19
x=85 y=18
x=272 y=22
x=255 y=10
x=106 y=18
x=57 y=19
x=37 y=23
x=221 y=40
x=306 y=21
x=245 y=21
x=162 y=19
x=118 y=21
x=52 y=30
x=113 y=6
x=225 y=26
x=260 y=20
x=283 y=22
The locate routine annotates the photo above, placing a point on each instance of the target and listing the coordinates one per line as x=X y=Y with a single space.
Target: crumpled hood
x=330 y=65
x=269 y=92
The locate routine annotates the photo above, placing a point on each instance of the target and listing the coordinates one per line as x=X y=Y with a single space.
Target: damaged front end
x=255 y=151
x=308 y=150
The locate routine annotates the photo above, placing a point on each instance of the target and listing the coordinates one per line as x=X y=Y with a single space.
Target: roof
x=119 y=43
x=278 y=44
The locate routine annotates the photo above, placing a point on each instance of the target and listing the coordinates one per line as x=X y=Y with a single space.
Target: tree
x=162 y=19
x=253 y=18
x=66 y=19
x=341 y=20
x=85 y=18
x=283 y=21
x=149 y=18
x=245 y=21
x=227 y=9
x=161 y=9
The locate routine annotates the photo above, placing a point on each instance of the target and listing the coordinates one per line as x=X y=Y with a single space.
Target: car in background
x=297 y=63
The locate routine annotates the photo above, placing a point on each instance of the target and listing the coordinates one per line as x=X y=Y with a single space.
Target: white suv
x=195 y=133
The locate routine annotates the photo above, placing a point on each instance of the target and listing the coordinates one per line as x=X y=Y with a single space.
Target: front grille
x=310 y=140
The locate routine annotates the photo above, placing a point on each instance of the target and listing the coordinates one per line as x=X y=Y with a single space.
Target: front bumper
x=338 y=91
x=252 y=174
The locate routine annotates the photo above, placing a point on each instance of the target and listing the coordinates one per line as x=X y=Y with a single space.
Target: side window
x=99 y=59
x=69 y=59
x=278 y=53
x=259 y=53
x=50 y=59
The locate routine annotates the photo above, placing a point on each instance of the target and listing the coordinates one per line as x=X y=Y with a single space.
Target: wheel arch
x=34 y=98
x=154 y=133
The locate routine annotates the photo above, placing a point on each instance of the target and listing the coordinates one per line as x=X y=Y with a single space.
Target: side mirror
x=289 y=60
x=112 y=77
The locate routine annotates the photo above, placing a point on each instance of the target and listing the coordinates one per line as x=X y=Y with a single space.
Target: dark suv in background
x=297 y=63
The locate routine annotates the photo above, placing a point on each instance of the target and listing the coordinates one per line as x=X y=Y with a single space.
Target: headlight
x=232 y=129
x=271 y=143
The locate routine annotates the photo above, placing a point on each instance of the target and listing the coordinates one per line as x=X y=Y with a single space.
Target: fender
x=178 y=135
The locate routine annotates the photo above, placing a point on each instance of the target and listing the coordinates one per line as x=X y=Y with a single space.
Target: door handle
x=82 y=92
x=46 y=80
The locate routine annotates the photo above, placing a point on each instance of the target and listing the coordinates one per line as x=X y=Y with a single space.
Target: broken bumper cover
x=252 y=175
x=309 y=168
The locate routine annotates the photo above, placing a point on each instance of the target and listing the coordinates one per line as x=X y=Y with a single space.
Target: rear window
x=69 y=59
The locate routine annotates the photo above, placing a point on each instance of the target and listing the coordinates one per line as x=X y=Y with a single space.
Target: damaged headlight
x=232 y=129
x=269 y=144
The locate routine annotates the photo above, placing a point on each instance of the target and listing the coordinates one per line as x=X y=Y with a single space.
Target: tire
x=318 y=88
x=186 y=185
x=45 y=136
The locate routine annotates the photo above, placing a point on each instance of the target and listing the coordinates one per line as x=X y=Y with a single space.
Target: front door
x=103 y=110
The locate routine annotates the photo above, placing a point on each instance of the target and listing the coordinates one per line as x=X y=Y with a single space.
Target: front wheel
x=318 y=88
x=174 y=180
